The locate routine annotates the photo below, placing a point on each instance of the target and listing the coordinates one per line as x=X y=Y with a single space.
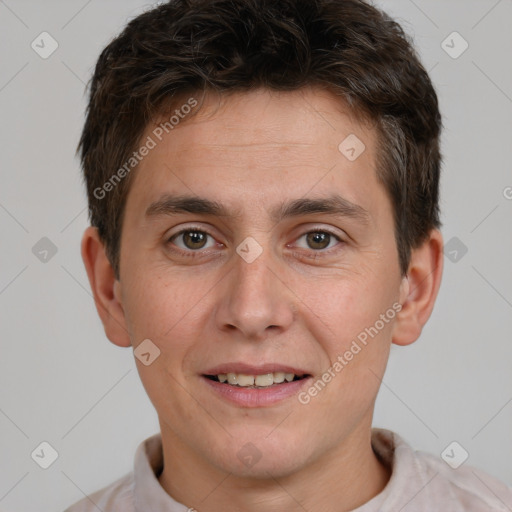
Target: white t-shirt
x=419 y=483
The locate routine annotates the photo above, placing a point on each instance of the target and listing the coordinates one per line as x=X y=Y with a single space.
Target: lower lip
x=254 y=397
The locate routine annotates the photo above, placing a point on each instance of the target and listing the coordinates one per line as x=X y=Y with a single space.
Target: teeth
x=265 y=380
x=278 y=377
x=246 y=380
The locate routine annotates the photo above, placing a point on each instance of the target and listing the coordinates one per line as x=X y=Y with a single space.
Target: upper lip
x=250 y=369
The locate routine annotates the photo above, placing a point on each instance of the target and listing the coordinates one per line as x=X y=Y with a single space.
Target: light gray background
x=61 y=381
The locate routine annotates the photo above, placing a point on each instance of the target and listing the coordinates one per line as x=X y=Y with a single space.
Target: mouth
x=255 y=381
x=255 y=386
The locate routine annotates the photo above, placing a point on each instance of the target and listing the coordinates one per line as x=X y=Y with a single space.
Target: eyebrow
x=333 y=205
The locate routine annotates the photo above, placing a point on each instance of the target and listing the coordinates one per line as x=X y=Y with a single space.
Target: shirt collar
x=149 y=495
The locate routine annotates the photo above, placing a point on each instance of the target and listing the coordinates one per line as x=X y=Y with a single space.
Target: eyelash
x=198 y=253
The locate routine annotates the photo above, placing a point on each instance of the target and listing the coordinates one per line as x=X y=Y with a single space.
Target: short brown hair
x=190 y=46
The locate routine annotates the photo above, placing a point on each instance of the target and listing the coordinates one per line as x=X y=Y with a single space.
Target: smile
x=255 y=386
x=255 y=381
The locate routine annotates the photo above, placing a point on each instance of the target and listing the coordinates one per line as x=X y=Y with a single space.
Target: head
x=263 y=193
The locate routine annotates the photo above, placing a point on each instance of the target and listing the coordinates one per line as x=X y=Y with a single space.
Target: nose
x=255 y=300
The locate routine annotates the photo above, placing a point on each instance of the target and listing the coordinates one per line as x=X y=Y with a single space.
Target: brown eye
x=194 y=239
x=318 y=240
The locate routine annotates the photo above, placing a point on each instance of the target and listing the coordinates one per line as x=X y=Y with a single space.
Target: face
x=254 y=245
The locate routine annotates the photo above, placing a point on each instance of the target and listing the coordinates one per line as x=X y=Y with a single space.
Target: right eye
x=191 y=239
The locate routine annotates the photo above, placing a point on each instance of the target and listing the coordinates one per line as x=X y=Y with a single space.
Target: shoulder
x=423 y=482
x=116 y=497
x=473 y=489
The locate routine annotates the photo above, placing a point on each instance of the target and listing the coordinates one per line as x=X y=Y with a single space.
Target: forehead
x=259 y=144
x=265 y=117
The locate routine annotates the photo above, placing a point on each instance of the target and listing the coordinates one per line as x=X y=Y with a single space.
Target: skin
x=294 y=304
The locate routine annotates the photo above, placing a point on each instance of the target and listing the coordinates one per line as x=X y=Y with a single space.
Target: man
x=263 y=192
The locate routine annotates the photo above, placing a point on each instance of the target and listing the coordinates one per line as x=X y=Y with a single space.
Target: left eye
x=318 y=240
x=191 y=239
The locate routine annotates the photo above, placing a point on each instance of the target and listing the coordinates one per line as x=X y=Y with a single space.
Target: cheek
x=356 y=341
x=345 y=313
x=160 y=310
x=157 y=303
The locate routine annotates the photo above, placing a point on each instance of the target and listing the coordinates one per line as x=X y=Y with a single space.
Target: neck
x=341 y=480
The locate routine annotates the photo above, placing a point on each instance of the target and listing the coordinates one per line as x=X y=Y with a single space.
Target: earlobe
x=105 y=288
x=419 y=289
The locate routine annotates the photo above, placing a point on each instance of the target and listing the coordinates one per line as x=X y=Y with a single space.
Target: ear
x=105 y=288
x=418 y=290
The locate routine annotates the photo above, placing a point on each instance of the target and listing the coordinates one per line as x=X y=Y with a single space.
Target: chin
x=261 y=458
